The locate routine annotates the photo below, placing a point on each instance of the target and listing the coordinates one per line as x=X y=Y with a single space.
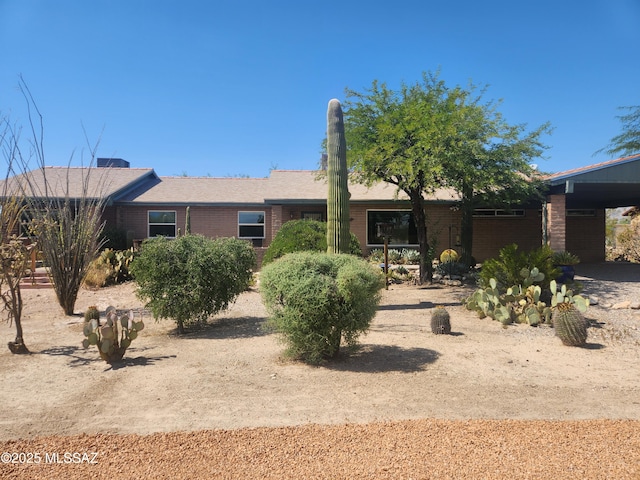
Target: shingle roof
x=282 y=186
x=58 y=182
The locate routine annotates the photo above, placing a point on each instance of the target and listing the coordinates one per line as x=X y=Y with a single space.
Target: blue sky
x=225 y=88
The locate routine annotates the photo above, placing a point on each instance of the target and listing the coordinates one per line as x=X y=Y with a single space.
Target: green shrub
x=565 y=258
x=316 y=300
x=303 y=235
x=507 y=268
x=192 y=277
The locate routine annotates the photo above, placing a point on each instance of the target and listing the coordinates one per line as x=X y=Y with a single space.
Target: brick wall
x=556 y=227
x=490 y=234
x=211 y=222
x=584 y=235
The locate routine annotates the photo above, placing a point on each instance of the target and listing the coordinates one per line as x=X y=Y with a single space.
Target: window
x=491 y=212
x=251 y=224
x=312 y=216
x=162 y=223
x=581 y=213
x=404 y=232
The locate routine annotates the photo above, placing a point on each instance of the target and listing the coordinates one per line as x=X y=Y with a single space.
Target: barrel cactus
x=92 y=313
x=569 y=324
x=114 y=337
x=338 y=228
x=440 y=321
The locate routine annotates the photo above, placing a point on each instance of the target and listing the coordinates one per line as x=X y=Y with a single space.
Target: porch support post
x=556 y=220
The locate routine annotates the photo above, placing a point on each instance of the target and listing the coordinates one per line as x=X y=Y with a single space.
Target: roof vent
x=112 y=162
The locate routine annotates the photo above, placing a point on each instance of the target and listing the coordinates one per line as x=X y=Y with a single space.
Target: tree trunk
x=18 y=346
x=426 y=264
x=335 y=338
x=466 y=235
x=466 y=226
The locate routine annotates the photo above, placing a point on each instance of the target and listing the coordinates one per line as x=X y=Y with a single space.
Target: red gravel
x=426 y=449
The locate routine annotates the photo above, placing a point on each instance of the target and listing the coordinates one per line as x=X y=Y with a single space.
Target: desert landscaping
x=486 y=401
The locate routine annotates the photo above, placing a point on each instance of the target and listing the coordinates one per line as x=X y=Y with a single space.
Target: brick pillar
x=276 y=219
x=557 y=222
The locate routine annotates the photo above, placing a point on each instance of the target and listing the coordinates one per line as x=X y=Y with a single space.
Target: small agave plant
x=114 y=337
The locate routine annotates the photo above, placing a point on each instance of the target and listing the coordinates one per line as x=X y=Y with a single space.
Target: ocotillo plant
x=338 y=196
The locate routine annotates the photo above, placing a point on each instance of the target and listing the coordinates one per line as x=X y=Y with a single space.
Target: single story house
x=144 y=205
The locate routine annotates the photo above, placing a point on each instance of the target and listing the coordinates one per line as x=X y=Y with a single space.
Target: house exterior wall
x=490 y=234
x=585 y=236
x=211 y=222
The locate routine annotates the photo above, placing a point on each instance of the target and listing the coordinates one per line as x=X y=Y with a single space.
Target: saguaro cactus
x=338 y=196
x=187 y=222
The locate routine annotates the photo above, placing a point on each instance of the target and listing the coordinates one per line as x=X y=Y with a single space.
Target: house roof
x=58 y=182
x=282 y=186
x=615 y=183
x=610 y=184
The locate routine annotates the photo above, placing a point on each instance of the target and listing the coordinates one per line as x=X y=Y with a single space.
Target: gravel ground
x=425 y=449
x=429 y=448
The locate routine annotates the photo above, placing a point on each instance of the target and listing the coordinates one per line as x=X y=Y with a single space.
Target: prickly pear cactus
x=338 y=227
x=570 y=325
x=440 y=321
x=114 y=337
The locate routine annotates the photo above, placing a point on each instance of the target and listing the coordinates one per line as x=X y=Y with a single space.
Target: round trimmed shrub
x=316 y=301
x=303 y=235
x=192 y=277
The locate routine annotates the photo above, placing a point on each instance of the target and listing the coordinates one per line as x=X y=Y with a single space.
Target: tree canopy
x=627 y=142
x=427 y=136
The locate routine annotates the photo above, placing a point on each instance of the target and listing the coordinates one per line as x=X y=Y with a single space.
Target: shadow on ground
x=138 y=361
x=607 y=280
x=384 y=358
x=227 y=328
x=79 y=356
x=417 y=306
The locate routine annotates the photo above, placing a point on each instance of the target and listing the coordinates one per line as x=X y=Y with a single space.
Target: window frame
x=499 y=213
x=174 y=223
x=247 y=224
x=391 y=244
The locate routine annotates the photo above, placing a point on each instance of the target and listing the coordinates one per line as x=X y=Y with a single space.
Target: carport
x=585 y=193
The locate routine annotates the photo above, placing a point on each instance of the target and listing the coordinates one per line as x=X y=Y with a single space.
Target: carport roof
x=611 y=184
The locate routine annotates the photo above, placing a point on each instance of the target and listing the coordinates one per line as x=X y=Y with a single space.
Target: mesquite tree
x=338 y=237
x=627 y=142
x=426 y=136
